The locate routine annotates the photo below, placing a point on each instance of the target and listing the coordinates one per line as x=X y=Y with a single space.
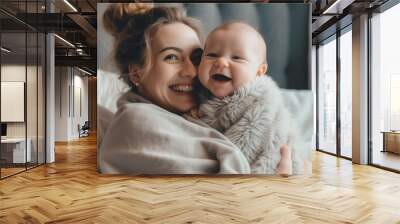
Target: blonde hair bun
x=117 y=16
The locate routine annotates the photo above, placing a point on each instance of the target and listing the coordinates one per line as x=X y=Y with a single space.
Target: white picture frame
x=12 y=101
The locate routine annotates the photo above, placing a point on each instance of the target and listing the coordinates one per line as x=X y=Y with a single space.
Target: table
x=13 y=150
x=391 y=141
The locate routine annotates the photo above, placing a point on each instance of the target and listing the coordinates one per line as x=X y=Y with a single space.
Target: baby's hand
x=284 y=168
x=194 y=112
x=285 y=165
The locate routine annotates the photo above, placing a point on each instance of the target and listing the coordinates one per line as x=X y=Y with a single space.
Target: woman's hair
x=133 y=24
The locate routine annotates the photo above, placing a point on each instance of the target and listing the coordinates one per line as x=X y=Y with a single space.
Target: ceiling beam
x=337 y=7
x=83 y=61
x=84 y=24
x=91 y=5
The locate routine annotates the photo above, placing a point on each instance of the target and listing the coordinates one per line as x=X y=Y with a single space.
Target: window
x=327 y=96
x=385 y=87
x=346 y=93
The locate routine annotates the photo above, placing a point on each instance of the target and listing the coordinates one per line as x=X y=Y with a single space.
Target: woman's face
x=169 y=80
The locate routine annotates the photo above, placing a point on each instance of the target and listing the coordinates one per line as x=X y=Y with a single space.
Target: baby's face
x=231 y=59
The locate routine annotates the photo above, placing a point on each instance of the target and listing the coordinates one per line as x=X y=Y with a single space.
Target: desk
x=391 y=141
x=13 y=150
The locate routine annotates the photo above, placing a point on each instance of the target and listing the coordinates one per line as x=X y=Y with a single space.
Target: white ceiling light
x=65 y=41
x=86 y=72
x=70 y=5
x=5 y=50
x=337 y=7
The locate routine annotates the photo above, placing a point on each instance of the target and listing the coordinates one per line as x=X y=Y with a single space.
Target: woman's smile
x=186 y=88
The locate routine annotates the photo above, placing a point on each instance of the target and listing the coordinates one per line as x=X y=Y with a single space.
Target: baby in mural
x=237 y=98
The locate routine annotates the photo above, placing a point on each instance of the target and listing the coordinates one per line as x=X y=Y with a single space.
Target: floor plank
x=71 y=191
x=387 y=159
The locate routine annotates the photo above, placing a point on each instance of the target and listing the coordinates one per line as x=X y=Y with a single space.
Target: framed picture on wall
x=12 y=101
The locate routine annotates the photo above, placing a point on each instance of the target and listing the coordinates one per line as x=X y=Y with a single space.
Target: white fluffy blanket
x=143 y=138
x=256 y=119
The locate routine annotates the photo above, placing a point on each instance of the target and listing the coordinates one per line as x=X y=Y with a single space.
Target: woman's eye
x=171 y=58
x=211 y=55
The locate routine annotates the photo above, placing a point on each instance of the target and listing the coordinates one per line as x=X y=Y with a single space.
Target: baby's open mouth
x=221 y=77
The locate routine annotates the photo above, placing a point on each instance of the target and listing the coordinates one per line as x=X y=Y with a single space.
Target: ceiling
x=330 y=15
x=76 y=24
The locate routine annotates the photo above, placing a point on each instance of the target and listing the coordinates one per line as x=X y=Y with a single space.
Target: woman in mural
x=150 y=133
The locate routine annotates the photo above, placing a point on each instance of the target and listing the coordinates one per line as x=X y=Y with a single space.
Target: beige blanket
x=146 y=139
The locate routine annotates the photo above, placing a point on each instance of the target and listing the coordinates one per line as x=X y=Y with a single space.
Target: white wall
x=69 y=85
x=16 y=73
x=79 y=117
x=33 y=126
x=61 y=103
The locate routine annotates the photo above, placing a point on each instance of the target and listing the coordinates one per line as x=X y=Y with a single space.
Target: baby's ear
x=262 y=69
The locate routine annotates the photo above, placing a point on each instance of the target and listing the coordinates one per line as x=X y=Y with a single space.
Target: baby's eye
x=211 y=55
x=171 y=58
x=235 y=57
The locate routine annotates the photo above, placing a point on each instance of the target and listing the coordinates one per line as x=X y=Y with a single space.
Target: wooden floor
x=71 y=191
x=10 y=171
x=387 y=159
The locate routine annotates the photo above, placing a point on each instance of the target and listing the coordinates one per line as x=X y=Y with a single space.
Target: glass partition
x=13 y=105
x=31 y=100
x=22 y=90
